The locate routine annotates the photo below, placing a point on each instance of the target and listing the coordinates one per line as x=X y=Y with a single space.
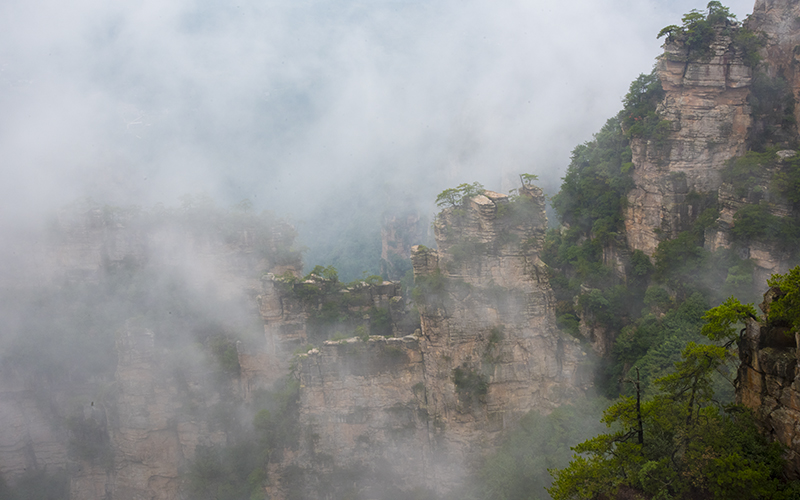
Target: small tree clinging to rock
x=454 y=197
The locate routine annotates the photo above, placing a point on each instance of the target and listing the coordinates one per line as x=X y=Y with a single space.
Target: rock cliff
x=136 y=378
x=768 y=382
x=137 y=441
x=418 y=411
x=706 y=105
x=778 y=21
x=719 y=106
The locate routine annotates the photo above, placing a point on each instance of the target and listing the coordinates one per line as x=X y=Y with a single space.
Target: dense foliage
x=590 y=205
x=767 y=183
x=772 y=106
x=681 y=442
x=785 y=307
x=678 y=443
x=699 y=30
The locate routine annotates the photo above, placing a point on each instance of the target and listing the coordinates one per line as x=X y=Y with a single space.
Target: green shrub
x=380 y=321
x=785 y=308
x=786 y=181
x=429 y=289
x=471 y=385
x=677 y=443
x=744 y=171
x=698 y=31
x=772 y=106
x=458 y=196
x=223 y=348
x=756 y=223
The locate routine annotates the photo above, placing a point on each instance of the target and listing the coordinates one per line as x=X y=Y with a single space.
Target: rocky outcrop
x=129 y=429
x=768 y=382
x=418 y=411
x=768 y=257
x=364 y=420
x=778 y=21
x=706 y=105
x=137 y=442
x=497 y=312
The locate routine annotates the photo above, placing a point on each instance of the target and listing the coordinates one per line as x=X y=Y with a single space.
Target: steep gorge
x=392 y=397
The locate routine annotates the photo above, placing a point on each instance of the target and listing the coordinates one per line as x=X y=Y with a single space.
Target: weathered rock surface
x=129 y=433
x=706 y=105
x=421 y=409
x=778 y=20
x=150 y=434
x=768 y=382
x=768 y=257
x=29 y=438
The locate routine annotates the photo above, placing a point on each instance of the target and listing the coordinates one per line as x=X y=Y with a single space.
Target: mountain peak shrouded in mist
x=307 y=327
x=304 y=106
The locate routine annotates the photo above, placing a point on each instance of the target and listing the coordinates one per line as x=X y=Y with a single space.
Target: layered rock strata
x=706 y=105
x=768 y=382
x=137 y=442
x=778 y=21
x=418 y=411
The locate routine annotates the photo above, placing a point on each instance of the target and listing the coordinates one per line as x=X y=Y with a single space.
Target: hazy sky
x=301 y=102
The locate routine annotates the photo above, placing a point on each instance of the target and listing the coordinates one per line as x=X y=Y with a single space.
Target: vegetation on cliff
x=676 y=444
x=681 y=442
x=238 y=470
x=766 y=186
x=590 y=206
x=653 y=313
x=336 y=310
x=700 y=30
x=603 y=288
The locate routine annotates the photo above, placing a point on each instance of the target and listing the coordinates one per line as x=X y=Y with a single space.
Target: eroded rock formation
x=768 y=382
x=417 y=411
x=706 y=106
x=778 y=20
x=128 y=427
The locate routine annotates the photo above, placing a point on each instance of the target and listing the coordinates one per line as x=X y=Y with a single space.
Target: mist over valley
x=399 y=250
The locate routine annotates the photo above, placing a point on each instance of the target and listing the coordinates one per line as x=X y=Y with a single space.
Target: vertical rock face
x=418 y=411
x=144 y=434
x=29 y=438
x=129 y=430
x=497 y=314
x=778 y=20
x=364 y=421
x=706 y=105
x=768 y=257
x=768 y=382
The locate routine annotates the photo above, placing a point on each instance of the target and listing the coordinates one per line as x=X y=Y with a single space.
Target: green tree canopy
x=786 y=306
x=721 y=320
x=456 y=196
x=687 y=447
